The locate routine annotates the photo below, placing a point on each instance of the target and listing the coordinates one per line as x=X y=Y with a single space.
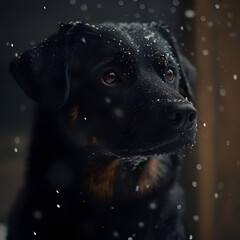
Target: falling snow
x=210 y=88
x=142 y=6
x=188 y=27
x=217 y=6
x=17 y=140
x=199 y=167
x=151 y=10
x=118 y=112
x=72 y=2
x=196 y=218
x=137 y=15
x=205 y=52
x=173 y=9
x=115 y=234
x=190 y=13
x=108 y=100
x=203 y=18
x=228 y=143
x=176 y=3
x=151 y=35
x=32 y=43
x=152 y=205
x=194 y=184
x=235 y=77
x=84 y=7
x=179 y=206
x=232 y=34
x=222 y=92
x=141 y=224
x=228 y=24
x=121 y=3
x=210 y=24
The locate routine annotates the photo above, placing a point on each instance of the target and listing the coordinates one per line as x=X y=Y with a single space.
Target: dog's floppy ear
x=187 y=70
x=42 y=71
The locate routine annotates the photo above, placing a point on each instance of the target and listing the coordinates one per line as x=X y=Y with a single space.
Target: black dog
x=104 y=160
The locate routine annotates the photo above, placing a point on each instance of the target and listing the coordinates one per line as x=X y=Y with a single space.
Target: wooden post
x=217 y=51
x=205 y=62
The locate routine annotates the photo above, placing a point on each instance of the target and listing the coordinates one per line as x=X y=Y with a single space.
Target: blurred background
x=208 y=33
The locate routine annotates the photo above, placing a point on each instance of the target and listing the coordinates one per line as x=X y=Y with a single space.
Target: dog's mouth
x=185 y=139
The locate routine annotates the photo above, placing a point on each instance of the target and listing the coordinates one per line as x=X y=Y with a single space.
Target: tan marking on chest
x=100 y=180
x=148 y=177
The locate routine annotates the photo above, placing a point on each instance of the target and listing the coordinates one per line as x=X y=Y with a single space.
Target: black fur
x=105 y=158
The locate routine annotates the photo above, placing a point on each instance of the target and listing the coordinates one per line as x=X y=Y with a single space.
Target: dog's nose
x=181 y=115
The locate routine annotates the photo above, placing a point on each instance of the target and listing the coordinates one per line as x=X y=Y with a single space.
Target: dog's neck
x=98 y=174
x=134 y=177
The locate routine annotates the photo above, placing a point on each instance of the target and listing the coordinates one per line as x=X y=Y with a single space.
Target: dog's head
x=118 y=89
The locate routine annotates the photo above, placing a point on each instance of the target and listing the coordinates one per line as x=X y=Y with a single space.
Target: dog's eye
x=169 y=75
x=110 y=78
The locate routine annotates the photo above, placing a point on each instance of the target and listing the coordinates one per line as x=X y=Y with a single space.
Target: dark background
x=212 y=171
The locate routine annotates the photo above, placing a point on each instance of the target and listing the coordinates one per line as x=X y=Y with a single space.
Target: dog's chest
x=126 y=178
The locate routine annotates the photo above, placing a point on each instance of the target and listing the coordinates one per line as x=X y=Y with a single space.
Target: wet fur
x=104 y=163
